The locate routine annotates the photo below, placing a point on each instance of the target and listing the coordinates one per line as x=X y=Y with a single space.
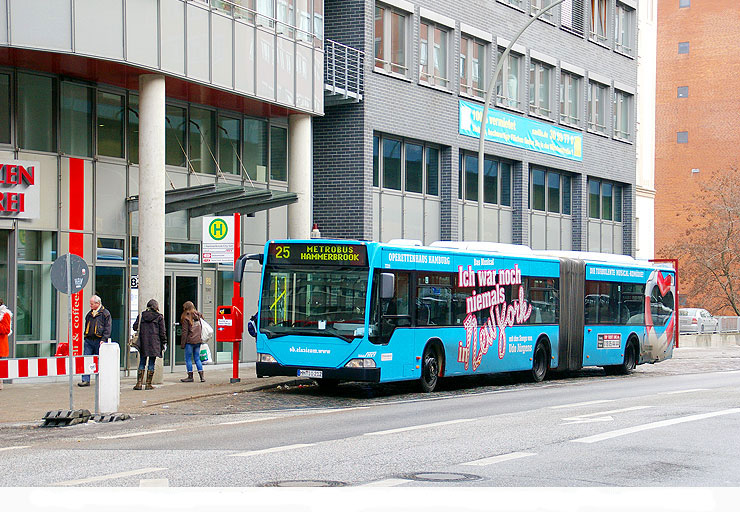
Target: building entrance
x=179 y=287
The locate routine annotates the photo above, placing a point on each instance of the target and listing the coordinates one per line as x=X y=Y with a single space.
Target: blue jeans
x=149 y=360
x=90 y=348
x=192 y=352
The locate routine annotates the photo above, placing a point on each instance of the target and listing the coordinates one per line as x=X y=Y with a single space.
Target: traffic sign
x=79 y=273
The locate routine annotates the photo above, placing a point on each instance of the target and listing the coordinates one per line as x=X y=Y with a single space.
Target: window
x=278 y=153
x=472 y=66
x=496 y=179
x=202 y=140
x=303 y=10
x=543 y=294
x=684 y=3
x=683 y=91
x=597 y=107
x=390 y=40
x=175 y=131
x=405 y=165
x=570 y=99
x=508 y=83
x=318 y=22
x=571 y=16
x=622 y=115
x=285 y=17
x=433 y=54
x=36 y=313
x=598 y=24
x=36 y=126
x=254 y=157
x=683 y=47
x=111 y=110
x=540 y=85
x=604 y=200
x=76 y=123
x=5 y=109
x=682 y=137
x=624 y=29
x=515 y=3
x=133 y=128
x=228 y=145
x=537 y=5
x=550 y=191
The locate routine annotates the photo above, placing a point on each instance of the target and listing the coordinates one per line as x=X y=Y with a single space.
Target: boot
x=139 y=379
x=189 y=378
x=202 y=377
x=149 y=377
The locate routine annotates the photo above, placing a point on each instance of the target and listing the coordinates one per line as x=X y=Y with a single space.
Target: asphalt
x=27 y=401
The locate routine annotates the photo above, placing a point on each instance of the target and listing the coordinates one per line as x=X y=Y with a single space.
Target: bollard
x=109 y=377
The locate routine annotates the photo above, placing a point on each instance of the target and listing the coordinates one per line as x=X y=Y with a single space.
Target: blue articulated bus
x=338 y=310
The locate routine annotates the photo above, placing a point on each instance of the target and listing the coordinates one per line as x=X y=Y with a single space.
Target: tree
x=709 y=253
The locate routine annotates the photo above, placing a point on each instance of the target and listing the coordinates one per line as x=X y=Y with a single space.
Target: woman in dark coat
x=191 y=340
x=152 y=336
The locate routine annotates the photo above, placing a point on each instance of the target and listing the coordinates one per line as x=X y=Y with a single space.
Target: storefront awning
x=219 y=199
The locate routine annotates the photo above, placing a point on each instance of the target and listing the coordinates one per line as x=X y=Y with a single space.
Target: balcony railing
x=343 y=73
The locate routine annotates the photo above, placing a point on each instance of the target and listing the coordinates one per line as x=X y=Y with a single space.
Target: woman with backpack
x=191 y=340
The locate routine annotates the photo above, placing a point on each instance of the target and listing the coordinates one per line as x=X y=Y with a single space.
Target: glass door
x=179 y=287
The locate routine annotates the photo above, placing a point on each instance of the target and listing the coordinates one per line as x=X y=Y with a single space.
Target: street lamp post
x=489 y=92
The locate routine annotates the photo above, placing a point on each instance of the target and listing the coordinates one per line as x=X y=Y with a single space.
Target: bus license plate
x=315 y=374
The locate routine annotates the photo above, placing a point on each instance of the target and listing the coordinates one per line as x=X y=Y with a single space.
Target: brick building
x=696 y=107
x=401 y=163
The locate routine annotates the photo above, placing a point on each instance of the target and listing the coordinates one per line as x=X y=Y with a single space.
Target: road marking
x=271 y=450
x=390 y=482
x=498 y=458
x=605 y=414
x=251 y=420
x=580 y=404
x=109 y=477
x=417 y=427
x=13 y=448
x=135 y=434
x=648 y=426
x=154 y=482
x=682 y=391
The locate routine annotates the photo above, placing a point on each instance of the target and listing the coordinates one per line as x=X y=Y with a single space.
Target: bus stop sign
x=79 y=273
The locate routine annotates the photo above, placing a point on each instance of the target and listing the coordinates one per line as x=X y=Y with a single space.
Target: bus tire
x=429 y=369
x=539 y=362
x=628 y=363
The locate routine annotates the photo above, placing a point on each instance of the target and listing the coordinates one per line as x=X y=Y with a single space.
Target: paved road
x=673 y=424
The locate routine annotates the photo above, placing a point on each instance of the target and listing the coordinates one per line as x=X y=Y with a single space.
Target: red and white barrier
x=47 y=367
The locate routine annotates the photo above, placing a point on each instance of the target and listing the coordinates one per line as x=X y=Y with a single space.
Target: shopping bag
x=206 y=331
x=205 y=353
x=133 y=342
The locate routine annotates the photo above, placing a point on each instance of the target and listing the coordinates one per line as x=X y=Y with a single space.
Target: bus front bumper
x=348 y=374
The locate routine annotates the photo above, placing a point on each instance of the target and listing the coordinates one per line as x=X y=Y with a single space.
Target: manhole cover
x=442 y=477
x=305 y=483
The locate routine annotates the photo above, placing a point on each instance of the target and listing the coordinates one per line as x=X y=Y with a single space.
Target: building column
x=151 y=190
x=299 y=175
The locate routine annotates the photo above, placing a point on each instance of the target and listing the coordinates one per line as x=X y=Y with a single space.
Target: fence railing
x=729 y=323
x=343 y=70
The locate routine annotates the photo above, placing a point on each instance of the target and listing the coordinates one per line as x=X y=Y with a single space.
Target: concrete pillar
x=300 y=177
x=151 y=193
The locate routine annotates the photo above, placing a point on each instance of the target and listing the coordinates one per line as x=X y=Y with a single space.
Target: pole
x=237 y=292
x=69 y=339
x=484 y=119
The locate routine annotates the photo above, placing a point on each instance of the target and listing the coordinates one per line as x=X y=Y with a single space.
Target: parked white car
x=697 y=321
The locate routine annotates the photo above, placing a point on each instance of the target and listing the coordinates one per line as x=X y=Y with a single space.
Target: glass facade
x=111 y=110
x=36 y=109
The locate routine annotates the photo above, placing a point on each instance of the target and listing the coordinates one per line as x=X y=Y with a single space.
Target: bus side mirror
x=387 y=285
x=241 y=263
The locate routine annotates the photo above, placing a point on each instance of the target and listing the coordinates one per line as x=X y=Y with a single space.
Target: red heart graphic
x=664 y=283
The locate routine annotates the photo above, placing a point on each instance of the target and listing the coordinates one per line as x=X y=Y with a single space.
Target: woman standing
x=6 y=328
x=191 y=340
x=152 y=336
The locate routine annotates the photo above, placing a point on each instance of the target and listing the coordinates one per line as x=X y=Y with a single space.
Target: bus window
x=542 y=293
x=632 y=310
x=661 y=307
x=433 y=299
x=591 y=303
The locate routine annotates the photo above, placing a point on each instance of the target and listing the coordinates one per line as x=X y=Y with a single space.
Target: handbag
x=206 y=331
x=133 y=341
x=205 y=353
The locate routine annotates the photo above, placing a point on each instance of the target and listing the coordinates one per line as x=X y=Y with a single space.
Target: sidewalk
x=23 y=401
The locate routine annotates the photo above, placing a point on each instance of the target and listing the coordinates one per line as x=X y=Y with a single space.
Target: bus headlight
x=360 y=363
x=265 y=358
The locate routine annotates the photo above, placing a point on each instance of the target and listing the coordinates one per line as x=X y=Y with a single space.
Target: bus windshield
x=318 y=302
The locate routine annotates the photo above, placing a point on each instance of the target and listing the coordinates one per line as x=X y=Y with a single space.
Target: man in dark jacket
x=97 y=330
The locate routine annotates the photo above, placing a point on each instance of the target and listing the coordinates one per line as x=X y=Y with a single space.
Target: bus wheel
x=539 y=363
x=630 y=359
x=327 y=384
x=429 y=370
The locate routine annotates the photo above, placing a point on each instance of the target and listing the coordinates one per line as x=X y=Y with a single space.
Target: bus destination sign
x=338 y=255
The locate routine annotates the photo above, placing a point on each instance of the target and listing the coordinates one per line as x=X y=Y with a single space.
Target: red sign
x=76 y=242
x=20 y=187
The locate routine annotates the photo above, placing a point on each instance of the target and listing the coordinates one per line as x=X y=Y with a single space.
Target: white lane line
x=251 y=420
x=135 y=434
x=390 y=482
x=417 y=427
x=605 y=413
x=13 y=448
x=580 y=404
x=648 y=426
x=498 y=458
x=154 y=482
x=271 y=450
x=109 y=477
x=682 y=391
